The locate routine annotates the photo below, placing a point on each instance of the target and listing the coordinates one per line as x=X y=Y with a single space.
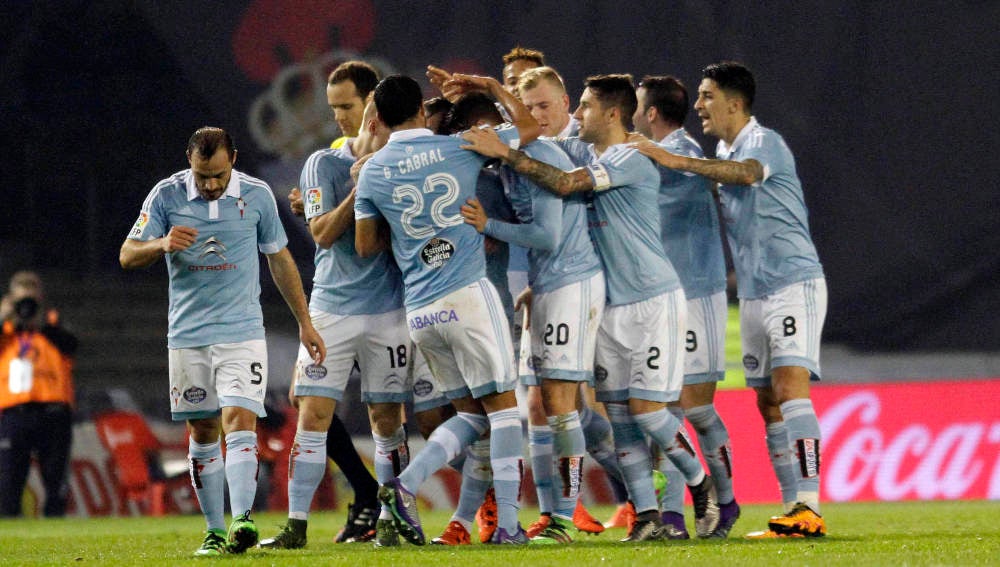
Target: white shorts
x=640 y=350
x=378 y=344
x=783 y=329
x=205 y=379
x=427 y=394
x=705 y=342
x=466 y=339
x=565 y=323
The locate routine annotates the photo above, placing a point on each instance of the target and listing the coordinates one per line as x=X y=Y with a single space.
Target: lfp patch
x=314 y=201
x=140 y=224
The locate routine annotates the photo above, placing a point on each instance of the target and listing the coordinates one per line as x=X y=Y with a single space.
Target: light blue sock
x=540 y=445
x=601 y=448
x=714 y=441
x=306 y=468
x=448 y=440
x=506 y=456
x=208 y=478
x=241 y=470
x=664 y=429
x=390 y=459
x=782 y=456
x=633 y=457
x=570 y=447
x=477 y=478
x=673 y=497
x=804 y=435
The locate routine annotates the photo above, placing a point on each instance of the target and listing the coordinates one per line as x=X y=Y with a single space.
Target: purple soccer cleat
x=403 y=505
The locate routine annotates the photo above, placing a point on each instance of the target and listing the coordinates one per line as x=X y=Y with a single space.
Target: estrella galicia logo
x=315 y=371
x=750 y=362
x=422 y=387
x=437 y=252
x=212 y=246
x=195 y=395
x=600 y=373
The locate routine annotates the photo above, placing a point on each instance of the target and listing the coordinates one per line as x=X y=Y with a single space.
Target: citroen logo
x=212 y=246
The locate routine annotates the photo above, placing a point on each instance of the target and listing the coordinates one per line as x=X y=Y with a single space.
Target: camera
x=26 y=308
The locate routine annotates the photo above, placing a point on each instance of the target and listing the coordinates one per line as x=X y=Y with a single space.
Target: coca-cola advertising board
x=907 y=441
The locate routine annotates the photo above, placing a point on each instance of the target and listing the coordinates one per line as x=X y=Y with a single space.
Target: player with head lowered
x=417 y=183
x=639 y=364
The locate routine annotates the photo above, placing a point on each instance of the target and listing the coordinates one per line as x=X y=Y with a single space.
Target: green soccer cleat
x=386 y=534
x=291 y=536
x=242 y=534
x=214 y=544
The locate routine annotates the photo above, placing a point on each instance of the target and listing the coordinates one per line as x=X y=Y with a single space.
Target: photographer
x=36 y=396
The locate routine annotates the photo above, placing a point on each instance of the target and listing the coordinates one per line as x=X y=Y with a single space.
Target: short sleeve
x=509 y=134
x=617 y=167
x=152 y=221
x=364 y=207
x=316 y=183
x=271 y=236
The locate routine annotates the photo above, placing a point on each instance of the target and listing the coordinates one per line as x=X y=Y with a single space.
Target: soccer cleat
x=623 y=517
x=799 y=520
x=706 y=507
x=486 y=517
x=728 y=514
x=554 y=531
x=291 y=536
x=584 y=522
x=403 y=505
x=214 y=544
x=454 y=534
x=540 y=524
x=386 y=534
x=242 y=534
x=673 y=526
x=360 y=524
x=647 y=527
x=768 y=534
x=501 y=537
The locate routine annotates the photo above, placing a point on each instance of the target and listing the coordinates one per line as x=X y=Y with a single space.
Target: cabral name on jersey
x=423 y=159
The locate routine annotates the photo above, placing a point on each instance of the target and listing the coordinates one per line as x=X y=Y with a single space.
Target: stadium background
x=889 y=112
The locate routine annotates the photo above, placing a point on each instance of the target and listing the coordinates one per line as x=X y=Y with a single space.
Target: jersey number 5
x=438 y=218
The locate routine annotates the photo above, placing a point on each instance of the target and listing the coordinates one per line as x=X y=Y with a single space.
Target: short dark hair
x=363 y=75
x=668 y=95
x=438 y=106
x=733 y=77
x=206 y=141
x=527 y=54
x=469 y=110
x=615 y=90
x=398 y=98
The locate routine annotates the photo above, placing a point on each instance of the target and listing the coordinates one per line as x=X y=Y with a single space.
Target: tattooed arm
x=562 y=183
x=721 y=171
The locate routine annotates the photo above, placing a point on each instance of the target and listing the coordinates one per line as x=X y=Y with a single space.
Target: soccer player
x=544 y=94
x=348 y=88
x=417 y=183
x=567 y=304
x=780 y=281
x=639 y=363
x=693 y=242
x=209 y=222
x=357 y=306
x=517 y=61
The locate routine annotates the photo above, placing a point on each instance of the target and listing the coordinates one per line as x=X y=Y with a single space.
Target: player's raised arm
x=723 y=171
x=289 y=282
x=527 y=127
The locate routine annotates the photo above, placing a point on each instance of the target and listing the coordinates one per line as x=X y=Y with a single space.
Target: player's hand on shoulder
x=357 y=165
x=179 y=238
x=296 y=203
x=484 y=141
x=635 y=137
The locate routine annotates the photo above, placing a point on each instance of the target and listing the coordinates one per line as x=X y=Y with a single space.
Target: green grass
x=913 y=533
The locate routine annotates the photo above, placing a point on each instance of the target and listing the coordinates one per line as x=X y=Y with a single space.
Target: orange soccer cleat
x=454 y=534
x=800 y=520
x=624 y=517
x=584 y=522
x=486 y=517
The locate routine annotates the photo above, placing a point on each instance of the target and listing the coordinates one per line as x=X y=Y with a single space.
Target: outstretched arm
x=722 y=171
x=553 y=179
x=520 y=116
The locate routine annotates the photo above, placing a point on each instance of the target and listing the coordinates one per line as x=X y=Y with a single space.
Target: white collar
x=232 y=190
x=409 y=134
x=744 y=132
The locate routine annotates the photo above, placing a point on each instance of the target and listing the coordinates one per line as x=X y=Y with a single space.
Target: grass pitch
x=921 y=533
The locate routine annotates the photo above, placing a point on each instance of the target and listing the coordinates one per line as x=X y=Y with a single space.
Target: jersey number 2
x=437 y=206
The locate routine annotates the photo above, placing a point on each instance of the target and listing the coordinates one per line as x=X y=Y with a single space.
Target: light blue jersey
x=553 y=229
x=345 y=283
x=767 y=223
x=491 y=195
x=626 y=223
x=690 y=223
x=418 y=182
x=215 y=283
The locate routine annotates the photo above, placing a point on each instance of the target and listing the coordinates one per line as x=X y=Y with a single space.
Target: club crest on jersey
x=437 y=252
x=195 y=395
x=140 y=224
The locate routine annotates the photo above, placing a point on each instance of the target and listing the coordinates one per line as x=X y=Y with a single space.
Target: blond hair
x=533 y=77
